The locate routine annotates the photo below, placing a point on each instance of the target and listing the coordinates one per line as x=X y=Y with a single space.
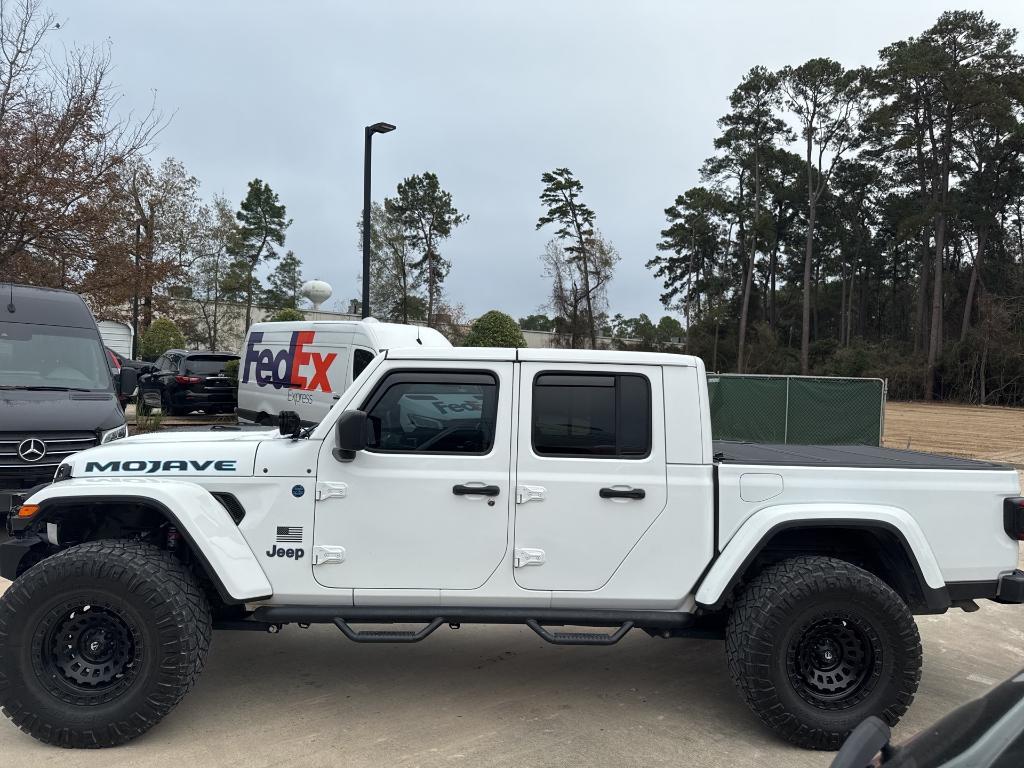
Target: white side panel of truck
x=201 y=519
x=959 y=511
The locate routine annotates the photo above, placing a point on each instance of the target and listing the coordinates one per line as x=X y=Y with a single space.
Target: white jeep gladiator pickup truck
x=545 y=487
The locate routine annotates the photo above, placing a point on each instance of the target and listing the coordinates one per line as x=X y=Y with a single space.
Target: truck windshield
x=51 y=357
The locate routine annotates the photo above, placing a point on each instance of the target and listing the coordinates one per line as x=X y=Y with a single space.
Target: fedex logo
x=292 y=368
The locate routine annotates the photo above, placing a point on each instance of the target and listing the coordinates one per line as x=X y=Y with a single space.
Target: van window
x=429 y=412
x=360 y=359
x=52 y=357
x=592 y=416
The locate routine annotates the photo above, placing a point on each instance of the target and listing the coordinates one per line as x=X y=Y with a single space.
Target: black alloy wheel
x=90 y=652
x=831 y=661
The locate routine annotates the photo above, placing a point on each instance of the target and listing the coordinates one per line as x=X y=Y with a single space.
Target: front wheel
x=816 y=644
x=99 y=642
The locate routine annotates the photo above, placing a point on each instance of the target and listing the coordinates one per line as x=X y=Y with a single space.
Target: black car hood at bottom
x=34 y=411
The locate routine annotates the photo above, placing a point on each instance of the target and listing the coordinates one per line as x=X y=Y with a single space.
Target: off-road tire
x=160 y=649
x=767 y=637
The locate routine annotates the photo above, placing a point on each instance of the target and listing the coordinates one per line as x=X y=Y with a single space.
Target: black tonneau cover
x=867 y=456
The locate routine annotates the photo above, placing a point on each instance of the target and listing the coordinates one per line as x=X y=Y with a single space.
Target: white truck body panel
x=203 y=521
x=948 y=511
x=753 y=531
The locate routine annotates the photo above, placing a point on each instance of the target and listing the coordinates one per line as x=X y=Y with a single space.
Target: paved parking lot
x=499 y=696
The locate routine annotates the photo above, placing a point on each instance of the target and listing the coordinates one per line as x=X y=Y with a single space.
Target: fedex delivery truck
x=304 y=366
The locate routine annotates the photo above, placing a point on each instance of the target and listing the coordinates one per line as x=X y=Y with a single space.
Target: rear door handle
x=622 y=493
x=476 y=490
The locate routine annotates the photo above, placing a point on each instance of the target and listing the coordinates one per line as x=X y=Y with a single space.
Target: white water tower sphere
x=317 y=291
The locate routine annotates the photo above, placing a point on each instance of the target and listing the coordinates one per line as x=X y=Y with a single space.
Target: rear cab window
x=598 y=416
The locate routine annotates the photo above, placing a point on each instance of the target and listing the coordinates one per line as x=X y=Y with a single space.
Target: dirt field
x=971 y=431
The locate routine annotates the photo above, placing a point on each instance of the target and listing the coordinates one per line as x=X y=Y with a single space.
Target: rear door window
x=592 y=416
x=206 y=365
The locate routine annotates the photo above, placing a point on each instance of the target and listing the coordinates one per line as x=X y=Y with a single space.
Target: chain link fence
x=799 y=410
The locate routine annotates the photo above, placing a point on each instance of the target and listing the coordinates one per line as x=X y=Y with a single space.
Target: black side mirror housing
x=289 y=423
x=127 y=381
x=350 y=435
x=864 y=742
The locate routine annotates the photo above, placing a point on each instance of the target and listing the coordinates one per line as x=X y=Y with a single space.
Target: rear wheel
x=99 y=642
x=816 y=645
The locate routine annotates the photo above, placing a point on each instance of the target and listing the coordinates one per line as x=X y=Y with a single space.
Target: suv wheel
x=816 y=644
x=99 y=642
x=168 y=408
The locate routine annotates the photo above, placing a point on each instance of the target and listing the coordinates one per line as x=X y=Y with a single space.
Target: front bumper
x=1010 y=588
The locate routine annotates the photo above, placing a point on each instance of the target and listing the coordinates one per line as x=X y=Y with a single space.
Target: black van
x=57 y=394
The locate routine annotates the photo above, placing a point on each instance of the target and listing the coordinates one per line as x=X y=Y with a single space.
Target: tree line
x=890 y=243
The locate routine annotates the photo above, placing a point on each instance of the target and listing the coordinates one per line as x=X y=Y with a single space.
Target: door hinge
x=523 y=557
x=525 y=493
x=326 y=491
x=328 y=555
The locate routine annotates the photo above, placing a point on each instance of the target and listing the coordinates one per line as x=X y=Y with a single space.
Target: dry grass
x=972 y=431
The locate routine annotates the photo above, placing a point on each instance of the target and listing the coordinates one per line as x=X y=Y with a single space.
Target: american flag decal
x=289 y=534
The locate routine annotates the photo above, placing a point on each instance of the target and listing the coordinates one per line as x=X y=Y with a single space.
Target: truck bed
x=865 y=456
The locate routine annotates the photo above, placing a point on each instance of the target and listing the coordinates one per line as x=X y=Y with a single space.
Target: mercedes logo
x=32 y=449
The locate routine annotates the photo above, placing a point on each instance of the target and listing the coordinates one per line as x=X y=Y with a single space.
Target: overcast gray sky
x=486 y=94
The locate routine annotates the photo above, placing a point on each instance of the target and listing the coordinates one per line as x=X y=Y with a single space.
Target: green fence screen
x=804 y=410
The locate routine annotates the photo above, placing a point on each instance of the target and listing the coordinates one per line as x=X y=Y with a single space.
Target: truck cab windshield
x=51 y=357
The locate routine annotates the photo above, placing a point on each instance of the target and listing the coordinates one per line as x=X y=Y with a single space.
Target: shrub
x=494 y=329
x=286 y=315
x=161 y=335
x=231 y=370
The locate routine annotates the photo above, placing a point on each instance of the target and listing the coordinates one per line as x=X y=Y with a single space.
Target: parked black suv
x=57 y=392
x=181 y=381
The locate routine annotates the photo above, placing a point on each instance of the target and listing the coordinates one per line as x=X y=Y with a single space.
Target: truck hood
x=218 y=453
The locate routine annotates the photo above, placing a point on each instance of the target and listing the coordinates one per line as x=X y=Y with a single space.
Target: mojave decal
x=169 y=465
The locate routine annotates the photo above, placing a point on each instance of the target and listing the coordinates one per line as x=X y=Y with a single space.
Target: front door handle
x=476 y=490
x=622 y=493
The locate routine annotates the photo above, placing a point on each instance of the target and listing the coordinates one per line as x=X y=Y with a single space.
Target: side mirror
x=289 y=423
x=127 y=381
x=350 y=435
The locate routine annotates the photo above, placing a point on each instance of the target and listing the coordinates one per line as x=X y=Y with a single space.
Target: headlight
x=114 y=434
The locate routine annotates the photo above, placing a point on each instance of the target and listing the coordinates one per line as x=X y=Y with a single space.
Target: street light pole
x=368 y=147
